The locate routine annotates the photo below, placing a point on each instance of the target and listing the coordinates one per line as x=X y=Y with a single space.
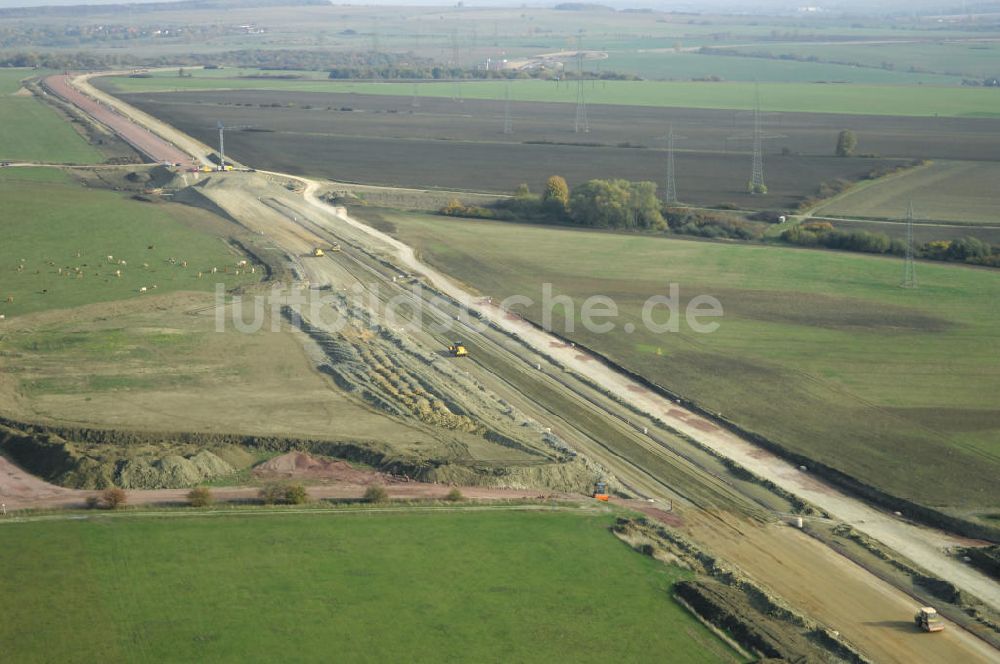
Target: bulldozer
x=601 y=491
x=928 y=620
x=318 y=252
x=458 y=349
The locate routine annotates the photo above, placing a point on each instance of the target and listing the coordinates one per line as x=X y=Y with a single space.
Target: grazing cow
x=142 y=290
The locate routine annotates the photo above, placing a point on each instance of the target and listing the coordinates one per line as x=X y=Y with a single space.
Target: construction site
x=194 y=340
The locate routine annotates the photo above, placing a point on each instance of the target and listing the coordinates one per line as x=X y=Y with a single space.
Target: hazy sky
x=867 y=6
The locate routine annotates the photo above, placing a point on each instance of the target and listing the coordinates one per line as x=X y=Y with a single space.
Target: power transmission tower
x=757 y=185
x=910 y=264
x=456 y=49
x=670 y=191
x=222 y=147
x=508 y=127
x=374 y=59
x=580 y=124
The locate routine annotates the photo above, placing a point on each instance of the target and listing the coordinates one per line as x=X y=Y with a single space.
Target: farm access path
x=802 y=570
x=20 y=490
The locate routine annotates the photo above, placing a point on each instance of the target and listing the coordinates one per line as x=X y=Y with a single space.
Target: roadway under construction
x=693 y=488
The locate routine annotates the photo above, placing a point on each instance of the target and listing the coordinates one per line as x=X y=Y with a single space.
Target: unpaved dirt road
x=808 y=573
x=20 y=490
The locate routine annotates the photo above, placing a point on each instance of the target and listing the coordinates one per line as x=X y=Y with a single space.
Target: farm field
x=972 y=58
x=262 y=114
x=451 y=145
x=904 y=101
x=53 y=225
x=796 y=355
x=664 y=64
x=30 y=131
x=518 y=586
x=944 y=191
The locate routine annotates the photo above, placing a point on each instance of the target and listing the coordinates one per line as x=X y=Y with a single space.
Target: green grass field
x=792 y=97
x=960 y=191
x=684 y=66
x=820 y=351
x=48 y=219
x=968 y=59
x=485 y=586
x=30 y=131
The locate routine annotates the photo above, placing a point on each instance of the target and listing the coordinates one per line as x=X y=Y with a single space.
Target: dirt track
x=20 y=490
x=813 y=576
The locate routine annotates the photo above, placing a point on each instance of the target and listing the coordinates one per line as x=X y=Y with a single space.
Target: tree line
x=634 y=206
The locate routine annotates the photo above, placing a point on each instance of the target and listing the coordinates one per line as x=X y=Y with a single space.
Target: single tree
x=455 y=495
x=846 y=143
x=200 y=496
x=114 y=498
x=272 y=494
x=376 y=493
x=555 y=197
x=295 y=494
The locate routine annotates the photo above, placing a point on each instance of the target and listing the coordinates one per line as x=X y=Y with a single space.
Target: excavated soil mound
x=299 y=465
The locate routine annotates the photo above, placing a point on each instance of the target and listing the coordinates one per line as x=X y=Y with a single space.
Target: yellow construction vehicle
x=601 y=491
x=928 y=620
x=335 y=246
x=206 y=169
x=318 y=252
x=458 y=349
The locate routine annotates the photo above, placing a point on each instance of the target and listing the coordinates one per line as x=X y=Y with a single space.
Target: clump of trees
x=823 y=234
x=966 y=249
x=702 y=223
x=455 y=208
x=616 y=204
x=287 y=494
